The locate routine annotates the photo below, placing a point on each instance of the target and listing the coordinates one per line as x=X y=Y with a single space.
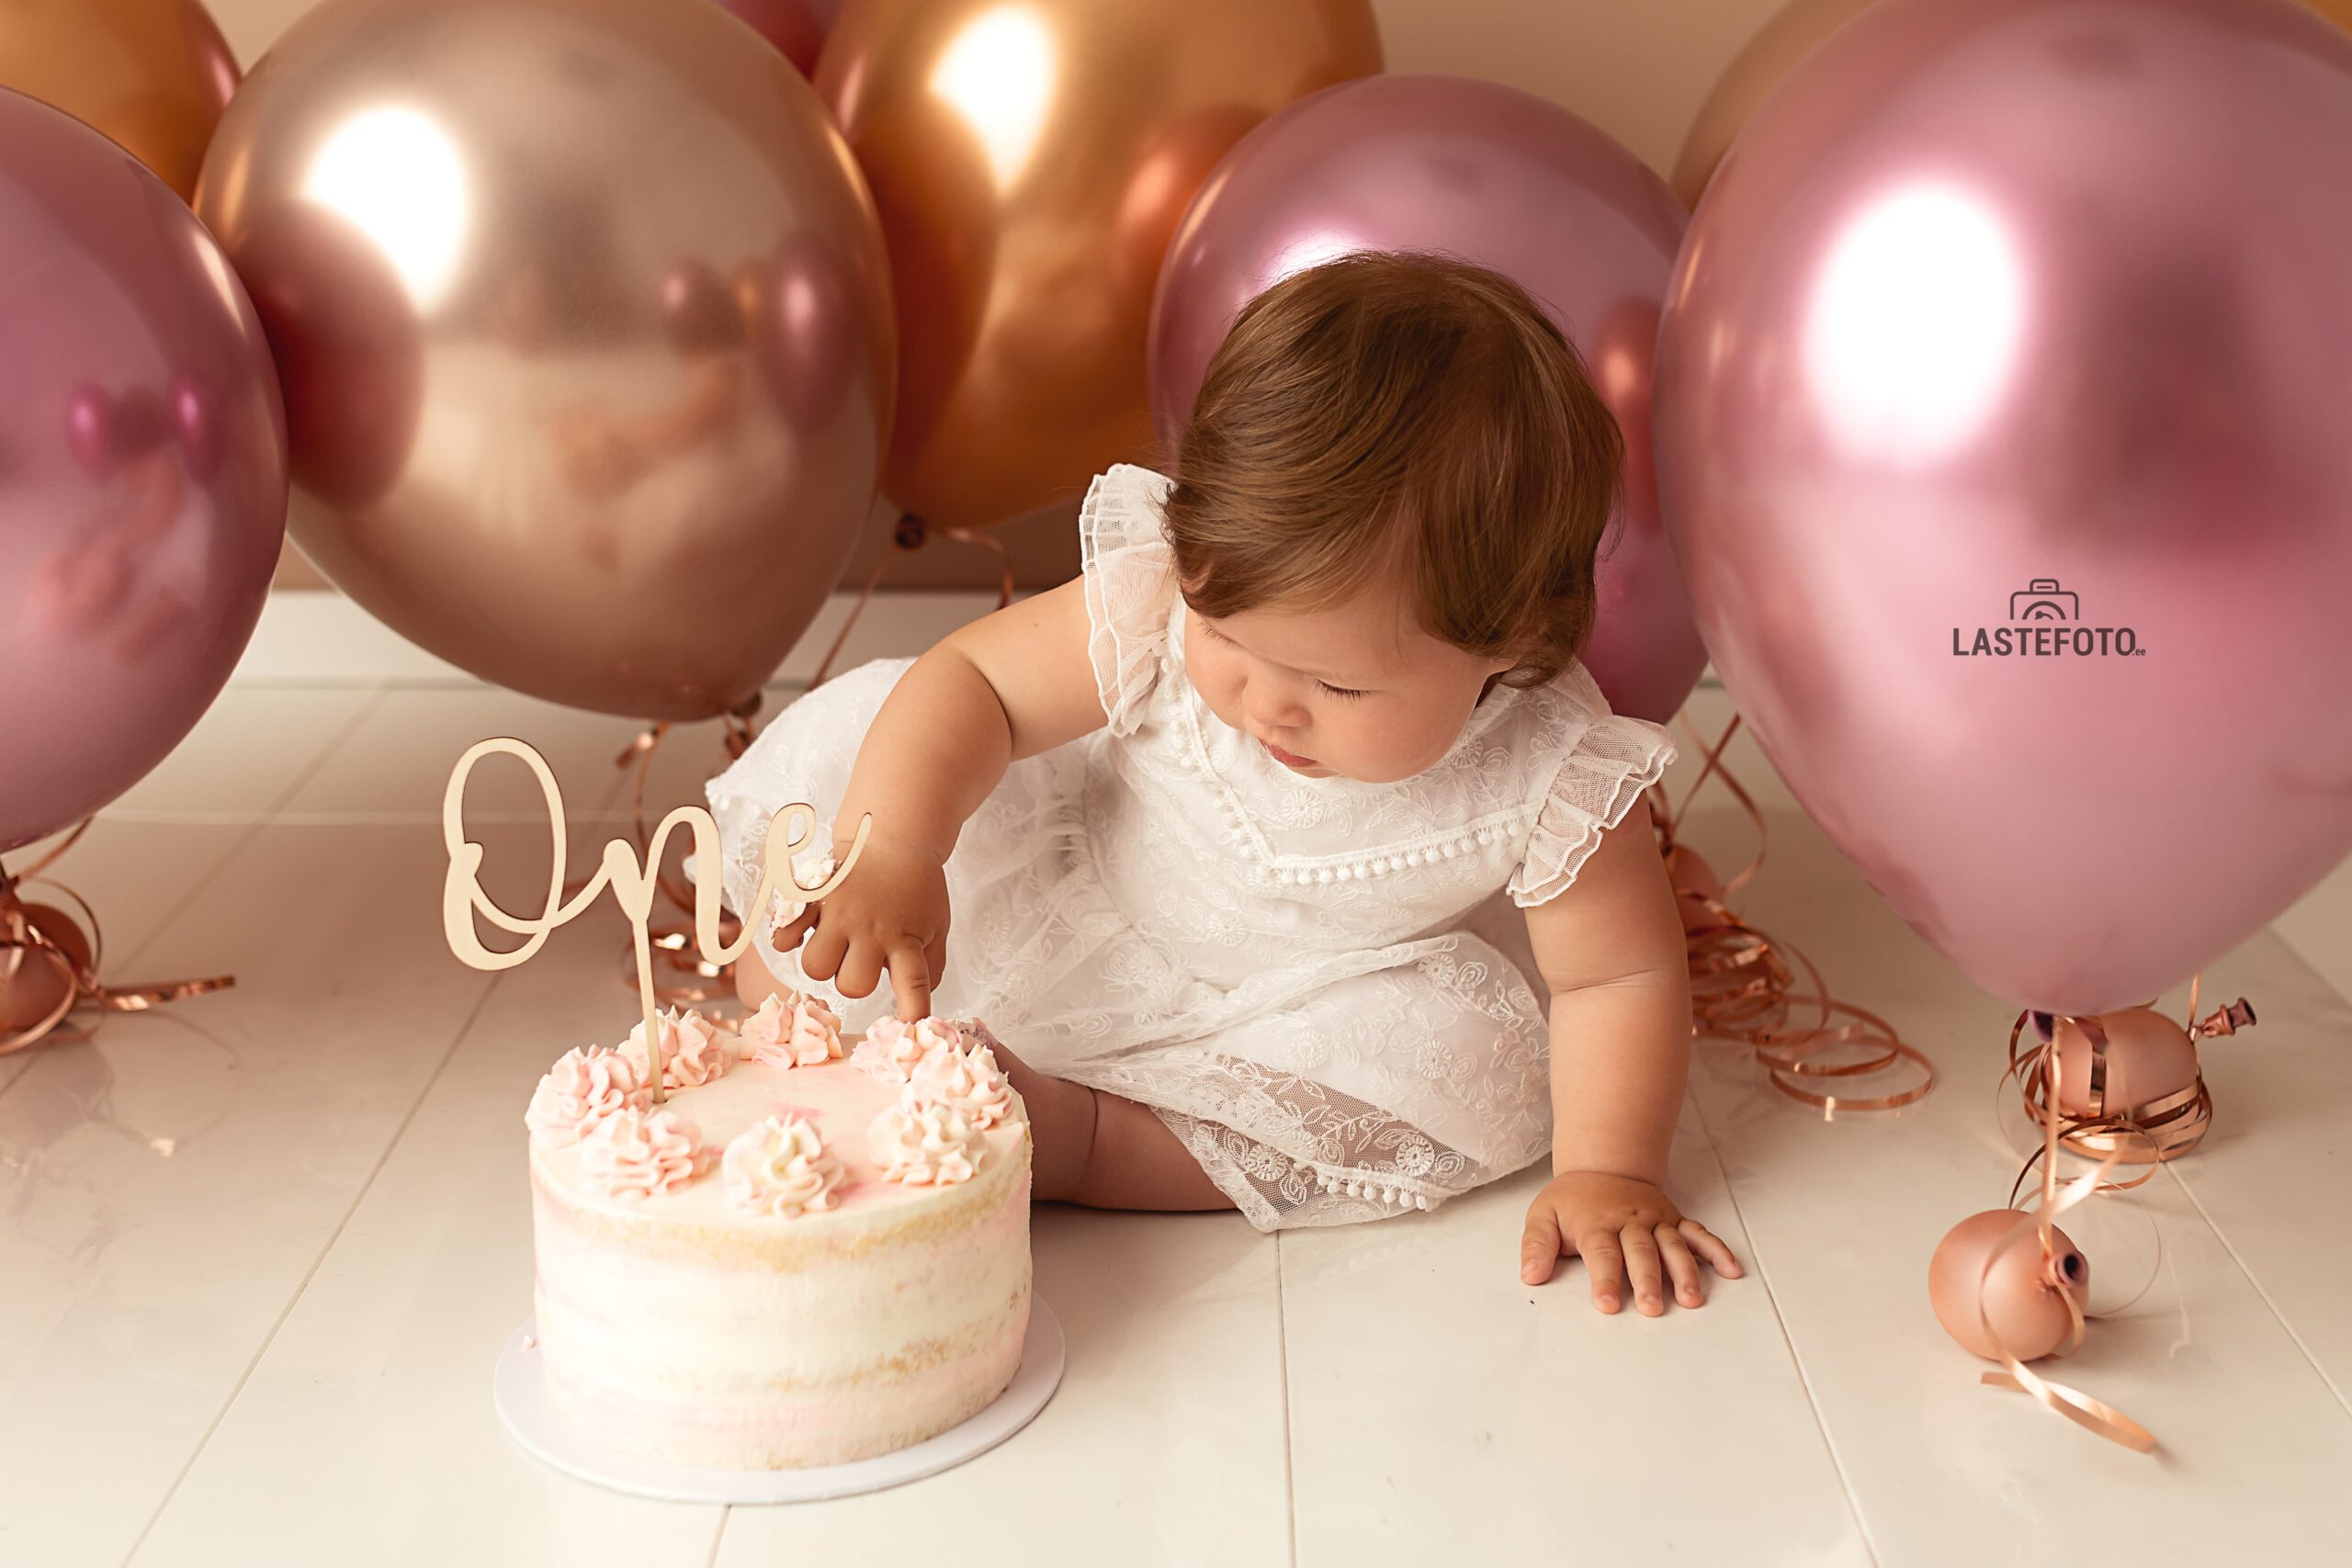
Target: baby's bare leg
x=1104 y=1151
x=754 y=982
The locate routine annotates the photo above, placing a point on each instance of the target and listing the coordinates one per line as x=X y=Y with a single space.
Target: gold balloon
x=1793 y=33
x=1032 y=161
x=583 y=319
x=1780 y=47
x=153 y=75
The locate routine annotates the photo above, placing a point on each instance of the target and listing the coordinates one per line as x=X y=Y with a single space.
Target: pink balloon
x=2018 y=325
x=1492 y=175
x=142 y=470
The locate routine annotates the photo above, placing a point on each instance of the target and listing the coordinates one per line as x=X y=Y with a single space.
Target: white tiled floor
x=257 y=1251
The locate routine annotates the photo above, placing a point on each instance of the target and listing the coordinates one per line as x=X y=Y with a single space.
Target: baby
x=1287 y=847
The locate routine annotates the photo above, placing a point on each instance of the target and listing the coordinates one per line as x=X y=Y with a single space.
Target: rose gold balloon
x=2018 y=1293
x=493 y=242
x=37 y=983
x=1030 y=162
x=2148 y=1056
x=1793 y=32
x=153 y=75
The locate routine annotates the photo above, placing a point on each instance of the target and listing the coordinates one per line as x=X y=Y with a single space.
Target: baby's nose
x=1271 y=707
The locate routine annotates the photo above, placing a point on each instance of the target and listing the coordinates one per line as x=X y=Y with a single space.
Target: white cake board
x=519 y=1390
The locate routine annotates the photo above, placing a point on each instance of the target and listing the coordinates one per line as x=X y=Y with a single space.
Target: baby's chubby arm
x=1612 y=952
x=1007 y=686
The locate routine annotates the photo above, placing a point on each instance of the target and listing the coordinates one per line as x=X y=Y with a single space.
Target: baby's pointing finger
x=910 y=978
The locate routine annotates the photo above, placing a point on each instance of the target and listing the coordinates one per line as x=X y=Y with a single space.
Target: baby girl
x=1289 y=846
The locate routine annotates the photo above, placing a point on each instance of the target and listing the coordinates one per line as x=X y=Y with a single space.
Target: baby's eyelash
x=1340 y=691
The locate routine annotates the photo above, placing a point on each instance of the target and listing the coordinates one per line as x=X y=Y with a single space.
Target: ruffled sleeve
x=1612 y=760
x=1130 y=588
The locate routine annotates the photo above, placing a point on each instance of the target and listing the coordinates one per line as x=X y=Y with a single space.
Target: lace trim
x=1119 y=538
x=1289 y=870
x=1615 y=760
x=1275 y=1192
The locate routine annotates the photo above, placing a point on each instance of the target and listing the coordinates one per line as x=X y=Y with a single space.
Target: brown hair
x=1387 y=410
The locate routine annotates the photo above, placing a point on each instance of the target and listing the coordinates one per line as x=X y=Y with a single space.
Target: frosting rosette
x=891 y=1050
x=582 y=1090
x=769 y=1027
x=807 y=1034
x=780 y=1167
x=633 y=1154
x=969 y=1080
x=924 y=1142
x=692 y=1050
x=894 y=1048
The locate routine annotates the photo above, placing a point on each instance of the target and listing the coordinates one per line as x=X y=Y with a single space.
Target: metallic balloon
x=1794 y=33
x=1779 y=47
x=491 y=240
x=794 y=28
x=2001 y=406
x=1030 y=162
x=153 y=75
x=142 y=470
x=1492 y=175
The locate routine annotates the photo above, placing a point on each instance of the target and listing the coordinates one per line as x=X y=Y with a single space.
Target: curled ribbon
x=2160 y=1129
x=912 y=533
x=2092 y=1414
x=65 y=951
x=1743 y=981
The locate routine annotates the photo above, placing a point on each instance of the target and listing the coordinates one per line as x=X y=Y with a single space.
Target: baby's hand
x=891 y=913
x=1612 y=1222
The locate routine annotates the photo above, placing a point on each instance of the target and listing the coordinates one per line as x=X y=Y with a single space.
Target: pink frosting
x=969 y=1080
x=923 y=1142
x=580 y=1091
x=894 y=1048
x=891 y=1050
x=635 y=1154
x=692 y=1050
x=769 y=1027
x=779 y=1167
x=807 y=1035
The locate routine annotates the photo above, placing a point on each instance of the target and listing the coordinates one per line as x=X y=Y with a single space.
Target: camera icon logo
x=2043 y=600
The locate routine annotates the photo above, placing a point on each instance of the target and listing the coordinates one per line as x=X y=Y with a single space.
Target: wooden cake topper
x=633 y=881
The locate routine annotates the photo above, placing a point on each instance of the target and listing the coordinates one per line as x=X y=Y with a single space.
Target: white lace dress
x=1316 y=983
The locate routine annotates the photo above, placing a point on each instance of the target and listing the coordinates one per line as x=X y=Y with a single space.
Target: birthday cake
x=794 y=1259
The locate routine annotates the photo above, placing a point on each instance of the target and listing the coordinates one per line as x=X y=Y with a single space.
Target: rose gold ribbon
x=912 y=533
x=1741 y=981
x=25 y=944
x=2091 y=1414
x=2156 y=1130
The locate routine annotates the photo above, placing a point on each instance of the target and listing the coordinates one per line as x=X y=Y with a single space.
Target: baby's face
x=1358 y=690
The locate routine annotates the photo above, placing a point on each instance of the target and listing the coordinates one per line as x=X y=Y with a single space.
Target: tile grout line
x=718 y=1536
x=302 y=1288
x=1796 y=1358
x=253 y=825
x=2259 y=1290
x=1282 y=1355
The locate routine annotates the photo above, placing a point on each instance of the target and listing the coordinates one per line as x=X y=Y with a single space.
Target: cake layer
x=682 y=1329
